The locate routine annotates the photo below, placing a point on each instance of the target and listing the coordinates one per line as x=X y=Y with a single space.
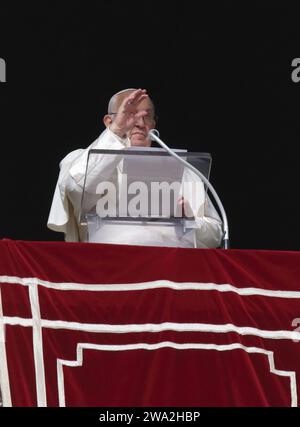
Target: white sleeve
x=60 y=217
x=99 y=164
x=209 y=230
x=68 y=191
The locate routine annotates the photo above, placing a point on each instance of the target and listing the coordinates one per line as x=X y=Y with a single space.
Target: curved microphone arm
x=153 y=135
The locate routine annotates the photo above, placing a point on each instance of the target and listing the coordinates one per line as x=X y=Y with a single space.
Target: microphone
x=152 y=133
x=154 y=136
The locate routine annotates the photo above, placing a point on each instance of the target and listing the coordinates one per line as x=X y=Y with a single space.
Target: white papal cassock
x=65 y=210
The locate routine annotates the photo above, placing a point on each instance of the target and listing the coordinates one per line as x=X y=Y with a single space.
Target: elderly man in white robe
x=130 y=116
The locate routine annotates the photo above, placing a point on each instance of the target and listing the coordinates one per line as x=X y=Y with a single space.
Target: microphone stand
x=154 y=136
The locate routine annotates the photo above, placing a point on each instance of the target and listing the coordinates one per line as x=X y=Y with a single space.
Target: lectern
x=132 y=196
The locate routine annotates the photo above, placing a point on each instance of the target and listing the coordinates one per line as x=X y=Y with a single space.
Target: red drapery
x=109 y=325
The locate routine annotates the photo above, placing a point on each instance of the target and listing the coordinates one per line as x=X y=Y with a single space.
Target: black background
x=220 y=77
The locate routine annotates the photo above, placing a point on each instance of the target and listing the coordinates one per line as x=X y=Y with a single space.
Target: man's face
x=138 y=135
